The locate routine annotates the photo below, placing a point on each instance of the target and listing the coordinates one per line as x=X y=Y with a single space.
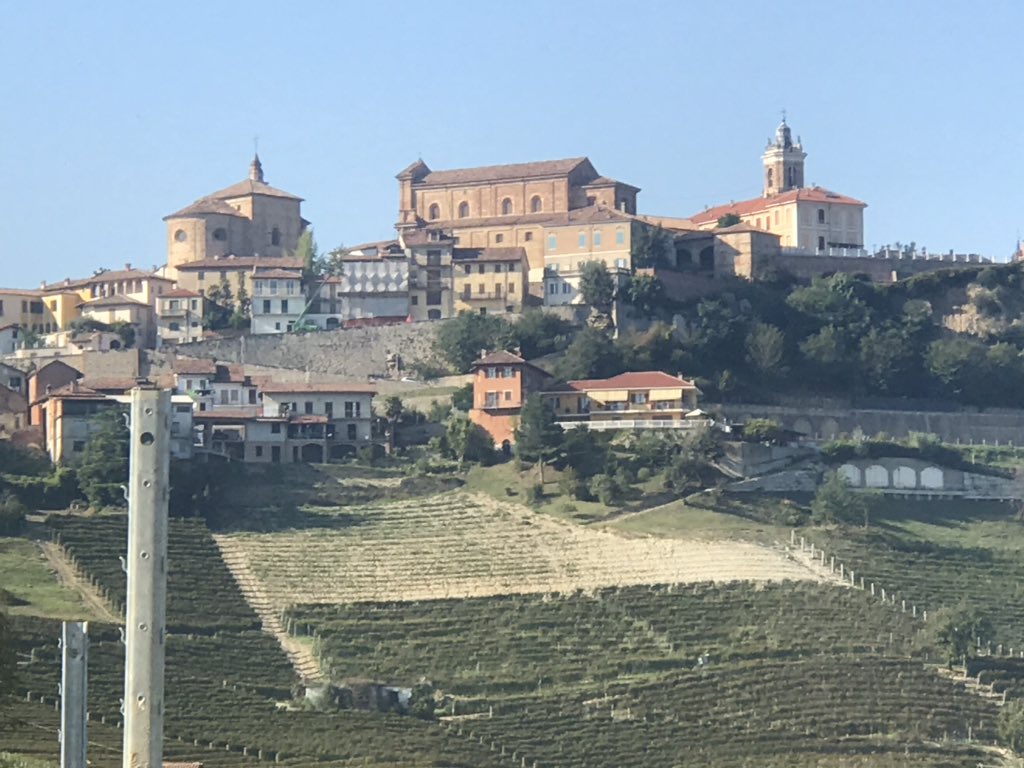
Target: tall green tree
x=467 y=441
x=306 y=250
x=597 y=286
x=540 y=333
x=461 y=339
x=766 y=347
x=646 y=293
x=650 y=247
x=538 y=438
x=958 y=629
x=591 y=355
x=103 y=467
x=836 y=502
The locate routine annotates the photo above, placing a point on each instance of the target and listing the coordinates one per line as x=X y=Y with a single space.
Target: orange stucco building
x=501 y=383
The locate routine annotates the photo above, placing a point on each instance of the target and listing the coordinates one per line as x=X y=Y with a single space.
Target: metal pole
x=74 y=644
x=149 y=465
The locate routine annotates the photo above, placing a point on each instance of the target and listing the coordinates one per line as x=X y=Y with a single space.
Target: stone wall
x=991 y=427
x=353 y=352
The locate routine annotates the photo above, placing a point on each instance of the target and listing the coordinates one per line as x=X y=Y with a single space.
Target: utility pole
x=149 y=466
x=74 y=646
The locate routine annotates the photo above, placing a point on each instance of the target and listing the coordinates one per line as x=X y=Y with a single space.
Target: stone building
x=247 y=219
x=506 y=205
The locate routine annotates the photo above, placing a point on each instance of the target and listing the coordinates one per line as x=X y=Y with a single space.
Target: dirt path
x=67 y=576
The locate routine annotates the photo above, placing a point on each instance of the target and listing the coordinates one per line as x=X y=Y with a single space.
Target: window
x=499 y=238
x=528 y=237
x=223 y=274
x=435 y=212
x=277 y=326
x=491 y=400
x=491 y=373
x=308 y=407
x=414 y=300
x=220 y=234
x=463 y=210
x=566 y=288
x=329 y=408
x=266 y=306
x=195 y=305
x=275 y=454
x=351 y=432
x=259 y=449
x=509 y=373
x=180 y=236
x=508 y=395
x=275 y=236
x=497 y=291
x=433 y=300
x=821 y=215
x=597 y=238
x=536 y=206
x=620 y=237
x=284 y=306
x=481 y=288
x=639 y=398
x=552 y=242
x=275 y=428
x=506 y=207
x=552 y=288
x=234 y=395
x=821 y=243
x=173 y=326
x=78 y=446
x=1 y=307
x=480 y=269
x=583 y=240
x=620 y=263
x=433 y=314
x=511 y=288
x=352 y=409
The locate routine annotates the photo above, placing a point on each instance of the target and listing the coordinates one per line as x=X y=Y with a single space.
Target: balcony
x=606 y=424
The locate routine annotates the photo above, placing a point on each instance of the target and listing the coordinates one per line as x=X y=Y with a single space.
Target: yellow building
x=506 y=205
x=637 y=400
x=489 y=280
x=247 y=219
x=808 y=219
x=26 y=309
x=66 y=299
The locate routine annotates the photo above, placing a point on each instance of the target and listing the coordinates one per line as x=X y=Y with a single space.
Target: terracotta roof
x=632 y=380
x=9 y=325
x=180 y=293
x=113 y=301
x=283 y=274
x=604 y=181
x=252 y=187
x=505 y=358
x=206 y=205
x=73 y=390
x=380 y=245
x=194 y=366
x=488 y=173
x=119 y=384
x=757 y=204
x=307 y=418
x=231 y=373
x=513 y=253
x=284 y=388
x=22 y=291
x=590 y=214
x=243 y=262
x=668 y=222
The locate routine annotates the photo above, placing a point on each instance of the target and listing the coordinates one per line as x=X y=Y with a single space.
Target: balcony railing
x=605 y=424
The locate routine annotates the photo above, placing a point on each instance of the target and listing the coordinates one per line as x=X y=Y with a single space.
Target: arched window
x=463 y=210
x=506 y=207
x=536 y=206
x=435 y=212
x=821 y=215
x=771 y=179
x=275 y=236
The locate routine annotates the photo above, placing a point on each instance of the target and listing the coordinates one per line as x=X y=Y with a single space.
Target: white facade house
x=324 y=421
x=277 y=300
x=368 y=288
x=179 y=317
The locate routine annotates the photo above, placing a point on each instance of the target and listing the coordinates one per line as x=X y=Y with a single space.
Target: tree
x=461 y=340
x=467 y=441
x=305 y=250
x=540 y=333
x=585 y=452
x=762 y=431
x=462 y=398
x=836 y=502
x=104 y=464
x=957 y=630
x=765 y=347
x=538 y=438
x=728 y=220
x=219 y=305
x=649 y=247
x=889 y=362
x=393 y=408
x=597 y=287
x=1010 y=725
x=591 y=355
x=645 y=292
x=957 y=364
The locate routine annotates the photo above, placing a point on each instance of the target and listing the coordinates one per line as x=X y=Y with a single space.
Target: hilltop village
x=555 y=237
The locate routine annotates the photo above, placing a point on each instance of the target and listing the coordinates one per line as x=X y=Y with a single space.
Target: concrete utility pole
x=149 y=466
x=74 y=645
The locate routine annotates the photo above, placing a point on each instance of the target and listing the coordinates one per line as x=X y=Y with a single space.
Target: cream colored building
x=26 y=309
x=179 y=317
x=247 y=219
x=124 y=309
x=809 y=219
x=489 y=280
x=506 y=205
x=66 y=300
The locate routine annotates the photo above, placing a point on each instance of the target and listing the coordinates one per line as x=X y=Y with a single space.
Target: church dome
x=783 y=136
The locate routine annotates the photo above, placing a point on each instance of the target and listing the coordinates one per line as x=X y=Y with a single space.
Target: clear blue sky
x=115 y=114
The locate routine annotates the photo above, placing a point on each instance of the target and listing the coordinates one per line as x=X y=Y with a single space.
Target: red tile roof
x=632 y=380
x=757 y=204
x=242 y=262
x=194 y=366
x=284 y=388
x=279 y=274
x=505 y=358
x=490 y=173
x=248 y=187
x=206 y=205
x=180 y=293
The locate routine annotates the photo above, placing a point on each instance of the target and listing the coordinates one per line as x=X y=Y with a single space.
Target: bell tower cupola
x=783 y=162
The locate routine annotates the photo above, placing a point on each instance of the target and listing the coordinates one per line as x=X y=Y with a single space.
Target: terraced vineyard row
x=818 y=711
x=484 y=646
x=465 y=546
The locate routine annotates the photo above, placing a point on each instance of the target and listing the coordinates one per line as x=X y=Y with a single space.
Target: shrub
x=57 y=491
x=12 y=515
x=643 y=474
x=535 y=494
x=604 y=488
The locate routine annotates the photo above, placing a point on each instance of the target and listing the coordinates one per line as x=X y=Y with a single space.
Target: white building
x=277 y=300
x=368 y=287
x=179 y=317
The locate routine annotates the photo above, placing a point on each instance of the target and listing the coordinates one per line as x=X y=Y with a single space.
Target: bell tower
x=783 y=162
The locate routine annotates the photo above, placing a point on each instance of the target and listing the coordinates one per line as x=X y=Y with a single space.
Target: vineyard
x=459 y=545
x=727 y=675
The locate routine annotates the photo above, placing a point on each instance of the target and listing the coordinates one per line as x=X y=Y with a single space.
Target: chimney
x=42 y=285
x=127 y=265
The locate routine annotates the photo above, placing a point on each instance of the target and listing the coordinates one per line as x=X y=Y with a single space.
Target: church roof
x=205 y=205
x=248 y=187
x=482 y=174
x=604 y=181
x=757 y=204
